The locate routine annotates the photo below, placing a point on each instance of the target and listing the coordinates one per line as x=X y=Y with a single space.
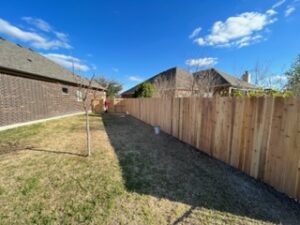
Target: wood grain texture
x=259 y=135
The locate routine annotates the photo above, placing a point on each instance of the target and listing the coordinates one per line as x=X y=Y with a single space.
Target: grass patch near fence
x=132 y=177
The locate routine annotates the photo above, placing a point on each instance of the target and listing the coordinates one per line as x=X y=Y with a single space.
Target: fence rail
x=260 y=136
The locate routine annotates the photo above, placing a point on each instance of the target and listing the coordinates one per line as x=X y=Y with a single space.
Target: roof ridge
x=174 y=68
x=230 y=79
x=221 y=74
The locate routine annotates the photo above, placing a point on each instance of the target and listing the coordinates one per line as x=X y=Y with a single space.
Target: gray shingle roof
x=178 y=78
x=169 y=72
x=183 y=80
x=17 y=57
x=234 y=81
x=228 y=79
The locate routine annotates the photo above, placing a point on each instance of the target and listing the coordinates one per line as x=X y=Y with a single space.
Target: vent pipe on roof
x=246 y=77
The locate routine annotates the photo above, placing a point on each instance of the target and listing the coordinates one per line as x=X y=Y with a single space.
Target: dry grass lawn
x=132 y=177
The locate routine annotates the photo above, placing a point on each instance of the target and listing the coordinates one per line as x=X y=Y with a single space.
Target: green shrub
x=293 y=76
x=237 y=93
x=144 y=90
x=262 y=92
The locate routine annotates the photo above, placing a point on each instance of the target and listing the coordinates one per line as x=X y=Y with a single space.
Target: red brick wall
x=24 y=99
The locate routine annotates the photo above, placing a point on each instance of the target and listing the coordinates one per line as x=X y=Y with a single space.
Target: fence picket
x=260 y=136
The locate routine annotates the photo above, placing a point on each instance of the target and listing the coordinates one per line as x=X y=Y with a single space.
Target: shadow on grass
x=56 y=152
x=36 y=149
x=164 y=167
x=184 y=215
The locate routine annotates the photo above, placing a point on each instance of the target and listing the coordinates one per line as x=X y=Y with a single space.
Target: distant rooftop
x=167 y=73
x=185 y=76
x=232 y=80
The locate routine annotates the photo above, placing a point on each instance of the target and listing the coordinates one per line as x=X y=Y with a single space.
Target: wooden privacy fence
x=116 y=105
x=259 y=135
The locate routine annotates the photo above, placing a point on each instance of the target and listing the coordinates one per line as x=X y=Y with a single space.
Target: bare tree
x=202 y=83
x=193 y=82
x=265 y=78
x=85 y=90
x=163 y=86
x=113 y=87
x=261 y=74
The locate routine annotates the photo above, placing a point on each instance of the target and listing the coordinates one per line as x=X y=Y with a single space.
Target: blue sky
x=133 y=40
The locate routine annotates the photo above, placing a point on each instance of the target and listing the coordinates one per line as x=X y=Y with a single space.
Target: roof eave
x=21 y=73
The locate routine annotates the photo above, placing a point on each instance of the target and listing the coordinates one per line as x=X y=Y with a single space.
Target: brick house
x=177 y=82
x=32 y=87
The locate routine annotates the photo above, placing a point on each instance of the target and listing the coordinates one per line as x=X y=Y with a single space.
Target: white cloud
x=195 y=32
x=277 y=4
x=289 y=10
x=34 y=39
x=62 y=36
x=271 y=12
x=46 y=27
x=202 y=62
x=247 y=40
x=15 y=32
x=135 y=79
x=51 y=44
x=238 y=31
x=39 y=23
x=67 y=61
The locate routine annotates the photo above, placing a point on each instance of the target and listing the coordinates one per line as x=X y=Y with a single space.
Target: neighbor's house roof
x=179 y=79
x=227 y=79
x=19 y=59
x=183 y=81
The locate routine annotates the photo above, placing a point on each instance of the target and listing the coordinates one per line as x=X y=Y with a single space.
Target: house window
x=65 y=90
x=79 y=96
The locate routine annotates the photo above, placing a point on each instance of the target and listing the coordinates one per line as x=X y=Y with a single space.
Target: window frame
x=79 y=96
x=65 y=90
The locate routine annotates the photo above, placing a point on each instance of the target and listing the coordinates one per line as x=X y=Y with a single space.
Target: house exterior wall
x=25 y=99
x=164 y=93
x=181 y=93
